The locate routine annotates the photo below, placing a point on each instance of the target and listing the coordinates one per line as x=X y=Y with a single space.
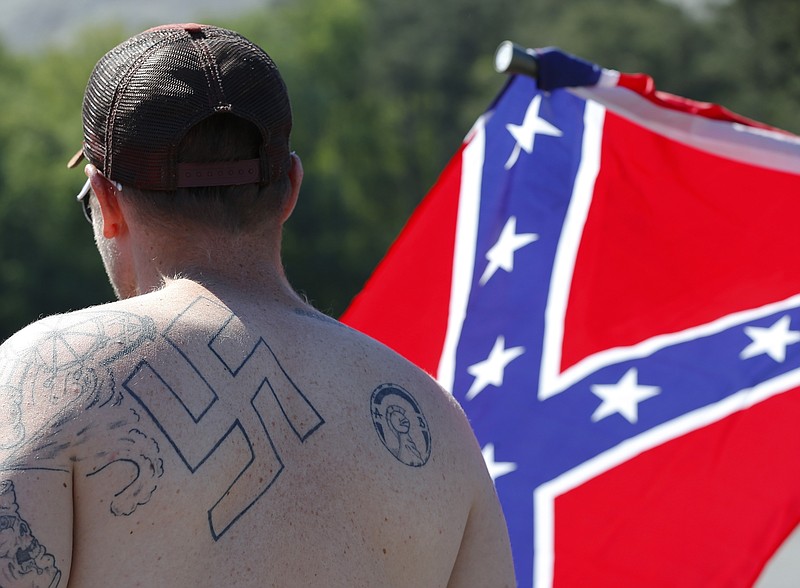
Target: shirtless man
x=210 y=428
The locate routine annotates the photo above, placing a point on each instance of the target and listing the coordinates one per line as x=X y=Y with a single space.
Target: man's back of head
x=233 y=209
x=182 y=115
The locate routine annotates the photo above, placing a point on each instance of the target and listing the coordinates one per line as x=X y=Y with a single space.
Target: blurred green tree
x=754 y=59
x=383 y=92
x=45 y=261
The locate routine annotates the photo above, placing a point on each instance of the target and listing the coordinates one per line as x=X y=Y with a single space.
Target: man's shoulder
x=65 y=323
x=66 y=344
x=406 y=401
x=60 y=364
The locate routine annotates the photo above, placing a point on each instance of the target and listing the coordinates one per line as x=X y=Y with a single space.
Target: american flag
x=607 y=278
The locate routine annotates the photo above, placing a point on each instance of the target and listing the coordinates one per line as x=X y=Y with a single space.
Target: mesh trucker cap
x=146 y=93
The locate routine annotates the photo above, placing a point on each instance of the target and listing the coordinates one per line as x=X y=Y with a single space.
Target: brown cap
x=146 y=93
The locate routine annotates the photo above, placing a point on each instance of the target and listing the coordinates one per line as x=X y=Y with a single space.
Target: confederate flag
x=607 y=278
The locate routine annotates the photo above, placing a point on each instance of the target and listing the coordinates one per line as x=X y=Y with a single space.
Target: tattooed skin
x=222 y=394
x=24 y=562
x=401 y=425
x=197 y=398
x=75 y=382
x=71 y=380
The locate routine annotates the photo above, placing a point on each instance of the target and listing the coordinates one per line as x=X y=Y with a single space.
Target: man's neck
x=235 y=265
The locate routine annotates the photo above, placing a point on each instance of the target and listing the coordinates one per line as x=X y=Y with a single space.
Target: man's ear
x=111 y=212
x=295 y=179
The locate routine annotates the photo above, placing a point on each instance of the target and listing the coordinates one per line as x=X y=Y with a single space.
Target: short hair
x=220 y=137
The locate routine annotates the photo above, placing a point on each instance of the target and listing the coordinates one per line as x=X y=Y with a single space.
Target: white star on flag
x=623 y=397
x=501 y=255
x=490 y=370
x=496 y=468
x=525 y=134
x=771 y=340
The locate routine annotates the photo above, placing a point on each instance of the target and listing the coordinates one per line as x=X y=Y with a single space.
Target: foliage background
x=383 y=92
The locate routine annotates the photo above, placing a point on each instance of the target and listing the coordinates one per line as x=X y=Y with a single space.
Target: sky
x=30 y=24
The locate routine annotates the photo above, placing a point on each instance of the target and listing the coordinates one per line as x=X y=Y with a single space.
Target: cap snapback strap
x=231 y=173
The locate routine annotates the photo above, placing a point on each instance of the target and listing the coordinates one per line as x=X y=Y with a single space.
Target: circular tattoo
x=400 y=424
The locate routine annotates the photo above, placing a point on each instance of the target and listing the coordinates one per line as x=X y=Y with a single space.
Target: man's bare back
x=182 y=439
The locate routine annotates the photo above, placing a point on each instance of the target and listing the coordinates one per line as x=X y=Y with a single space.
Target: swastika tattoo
x=198 y=398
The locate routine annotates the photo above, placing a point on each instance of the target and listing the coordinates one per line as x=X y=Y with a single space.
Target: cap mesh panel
x=144 y=95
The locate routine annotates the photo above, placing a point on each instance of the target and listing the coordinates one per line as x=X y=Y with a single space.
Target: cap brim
x=75 y=159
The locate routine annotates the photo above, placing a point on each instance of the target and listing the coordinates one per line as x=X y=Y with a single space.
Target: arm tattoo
x=400 y=424
x=24 y=562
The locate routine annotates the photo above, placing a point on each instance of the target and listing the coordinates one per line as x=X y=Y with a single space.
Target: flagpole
x=511 y=58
